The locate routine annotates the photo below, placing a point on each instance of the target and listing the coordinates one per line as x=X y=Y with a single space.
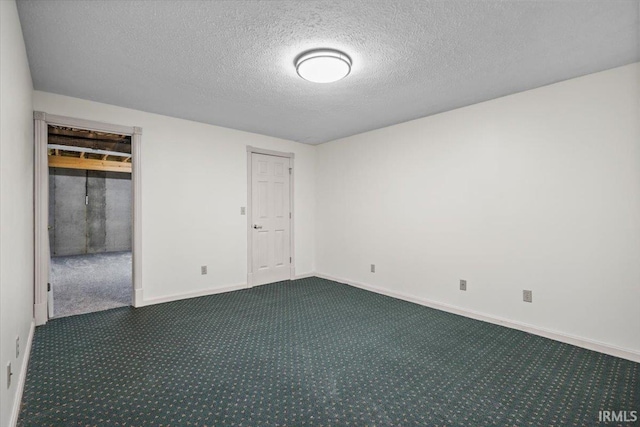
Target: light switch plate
x=243 y=210
x=463 y=285
x=527 y=296
x=203 y=269
x=373 y=268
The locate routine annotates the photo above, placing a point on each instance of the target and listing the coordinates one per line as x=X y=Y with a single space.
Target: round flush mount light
x=323 y=65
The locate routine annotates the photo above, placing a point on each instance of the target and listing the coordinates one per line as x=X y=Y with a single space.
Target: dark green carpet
x=311 y=352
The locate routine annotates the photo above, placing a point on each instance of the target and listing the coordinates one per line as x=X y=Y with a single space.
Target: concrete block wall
x=102 y=224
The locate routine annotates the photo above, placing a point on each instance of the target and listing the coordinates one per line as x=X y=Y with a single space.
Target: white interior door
x=271 y=217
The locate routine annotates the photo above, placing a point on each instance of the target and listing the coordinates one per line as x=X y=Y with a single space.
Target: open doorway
x=42 y=121
x=89 y=220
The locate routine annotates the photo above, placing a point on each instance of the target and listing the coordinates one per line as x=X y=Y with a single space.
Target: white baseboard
x=138 y=299
x=15 y=412
x=140 y=302
x=40 y=313
x=589 y=344
x=187 y=295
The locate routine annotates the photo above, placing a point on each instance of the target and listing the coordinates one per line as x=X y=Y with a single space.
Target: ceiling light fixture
x=323 y=65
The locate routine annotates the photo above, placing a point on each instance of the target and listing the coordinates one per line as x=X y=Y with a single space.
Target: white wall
x=539 y=190
x=16 y=205
x=194 y=181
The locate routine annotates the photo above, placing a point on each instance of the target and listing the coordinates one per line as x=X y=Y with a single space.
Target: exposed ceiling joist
x=87 y=134
x=85 y=150
x=89 y=164
x=123 y=147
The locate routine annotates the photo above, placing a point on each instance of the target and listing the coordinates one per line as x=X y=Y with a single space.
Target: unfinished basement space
x=89 y=221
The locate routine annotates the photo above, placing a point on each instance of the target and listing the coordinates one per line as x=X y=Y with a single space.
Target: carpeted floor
x=88 y=283
x=311 y=352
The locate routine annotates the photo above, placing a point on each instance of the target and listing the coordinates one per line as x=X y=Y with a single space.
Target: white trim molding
x=589 y=344
x=73 y=122
x=138 y=298
x=136 y=237
x=291 y=156
x=41 y=206
x=195 y=294
x=257 y=150
x=41 y=219
x=204 y=292
x=15 y=411
x=292 y=224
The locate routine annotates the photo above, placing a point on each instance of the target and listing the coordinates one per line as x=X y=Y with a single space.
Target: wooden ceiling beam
x=88 y=164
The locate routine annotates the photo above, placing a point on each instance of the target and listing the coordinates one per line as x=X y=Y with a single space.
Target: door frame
x=254 y=150
x=41 y=204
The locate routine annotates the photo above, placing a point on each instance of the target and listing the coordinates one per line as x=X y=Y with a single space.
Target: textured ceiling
x=230 y=63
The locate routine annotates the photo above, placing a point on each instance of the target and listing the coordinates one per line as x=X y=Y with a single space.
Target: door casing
x=249 y=211
x=41 y=204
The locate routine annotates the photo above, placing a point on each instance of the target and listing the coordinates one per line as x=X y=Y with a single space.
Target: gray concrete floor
x=88 y=283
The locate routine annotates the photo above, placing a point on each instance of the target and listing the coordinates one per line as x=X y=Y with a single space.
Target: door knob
x=257 y=227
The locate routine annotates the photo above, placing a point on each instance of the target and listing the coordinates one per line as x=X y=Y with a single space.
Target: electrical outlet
x=243 y=210
x=373 y=268
x=527 y=296
x=9 y=374
x=17 y=347
x=463 y=285
x=203 y=269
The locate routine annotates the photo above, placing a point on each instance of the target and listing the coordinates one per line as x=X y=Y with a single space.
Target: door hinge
x=289 y=215
x=289 y=260
x=290 y=169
